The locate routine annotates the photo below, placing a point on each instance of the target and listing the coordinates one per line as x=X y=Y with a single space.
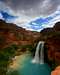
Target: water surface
x=34 y=69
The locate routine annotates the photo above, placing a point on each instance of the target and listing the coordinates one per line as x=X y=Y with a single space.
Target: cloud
x=1 y=17
x=32 y=14
x=32 y=8
x=44 y=22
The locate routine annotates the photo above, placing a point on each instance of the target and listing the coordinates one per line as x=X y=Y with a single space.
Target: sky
x=33 y=15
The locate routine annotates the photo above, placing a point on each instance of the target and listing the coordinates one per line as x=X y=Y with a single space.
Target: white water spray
x=39 y=58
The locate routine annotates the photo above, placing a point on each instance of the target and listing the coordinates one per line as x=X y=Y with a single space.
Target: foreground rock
x=56 y=71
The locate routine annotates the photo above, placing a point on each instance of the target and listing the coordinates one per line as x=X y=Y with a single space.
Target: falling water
x=39 y=57
x=42 y=53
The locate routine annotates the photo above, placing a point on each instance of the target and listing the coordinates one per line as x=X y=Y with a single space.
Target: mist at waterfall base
x=36 y=66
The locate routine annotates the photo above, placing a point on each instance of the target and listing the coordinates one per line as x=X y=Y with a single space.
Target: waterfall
x=39 y=54
x=42 y=53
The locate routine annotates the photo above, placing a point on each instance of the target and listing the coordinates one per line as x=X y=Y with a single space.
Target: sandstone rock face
x=52 y=38
x=53 y=45
x=57 y=26
x=12 y=34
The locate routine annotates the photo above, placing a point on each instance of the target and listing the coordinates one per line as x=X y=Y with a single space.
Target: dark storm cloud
x=33 y=7
x=27 y=4
x=55 y=4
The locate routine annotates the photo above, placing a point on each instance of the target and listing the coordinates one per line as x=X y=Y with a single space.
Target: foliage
x=5 y=57
x=8 y=53
x=15 y=72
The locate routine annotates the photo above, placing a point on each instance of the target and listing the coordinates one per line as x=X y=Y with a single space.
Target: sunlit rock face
x=12 y=34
